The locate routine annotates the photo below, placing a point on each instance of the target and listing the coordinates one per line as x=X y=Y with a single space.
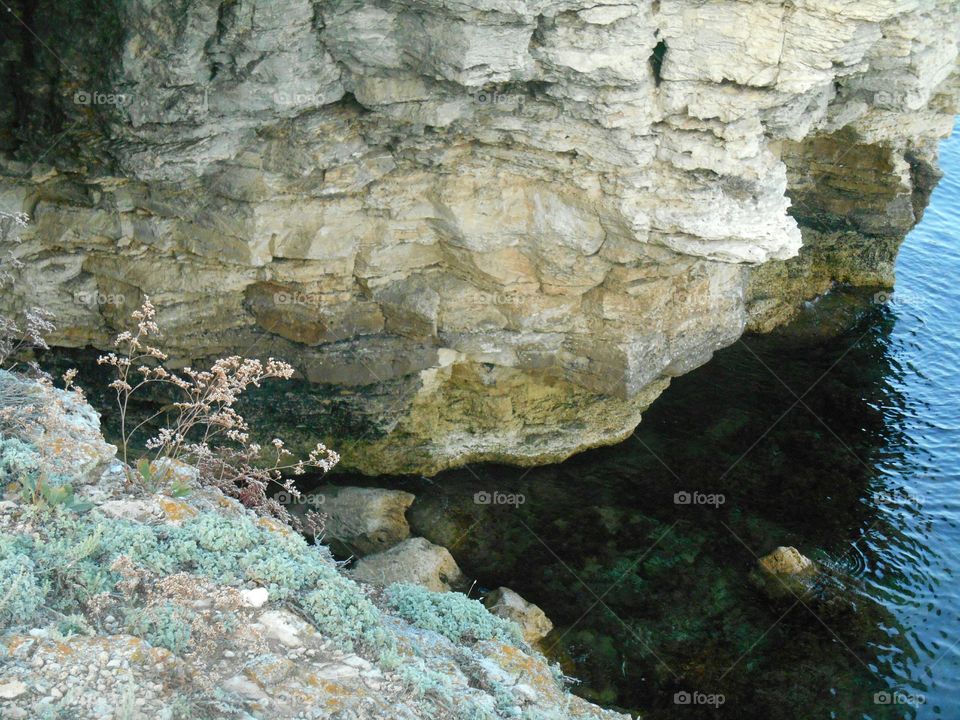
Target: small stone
x=255 y=598
x=283 y=626
x=787 y=561
x=12 y=689
x=533 y=622
x=786 y=573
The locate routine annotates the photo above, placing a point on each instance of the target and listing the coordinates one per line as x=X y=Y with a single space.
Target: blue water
x=652 y=599
x=925 y=352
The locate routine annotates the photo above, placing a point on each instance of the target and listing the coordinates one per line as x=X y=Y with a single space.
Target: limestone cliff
x=481 y=229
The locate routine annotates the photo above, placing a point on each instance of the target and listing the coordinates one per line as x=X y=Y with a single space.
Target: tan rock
x=416 y=561
x=691 y=145
x=787 y=561
x=786 y=573
x=509 y=605
x=359 y=521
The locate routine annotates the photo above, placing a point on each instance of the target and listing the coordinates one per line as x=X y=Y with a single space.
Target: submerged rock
x=787 y=572
x=533 y=622
x=416 y=561
x=358 y=521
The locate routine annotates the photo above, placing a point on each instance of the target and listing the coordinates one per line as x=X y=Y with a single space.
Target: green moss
x=453 y=615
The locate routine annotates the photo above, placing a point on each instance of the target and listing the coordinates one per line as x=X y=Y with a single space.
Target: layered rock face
x=481 y=230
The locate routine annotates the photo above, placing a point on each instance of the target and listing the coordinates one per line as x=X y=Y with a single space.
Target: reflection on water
x=845 y=447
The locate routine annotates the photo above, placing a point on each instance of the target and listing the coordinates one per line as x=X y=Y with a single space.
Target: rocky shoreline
x=480 y=232
x=176 y=602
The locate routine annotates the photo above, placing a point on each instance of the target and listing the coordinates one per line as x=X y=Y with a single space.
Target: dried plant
x=205 y=431
x=28 y=332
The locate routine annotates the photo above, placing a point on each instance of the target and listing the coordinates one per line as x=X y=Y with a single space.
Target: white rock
x=12 y=689
x=256 y=597
x=283 y=626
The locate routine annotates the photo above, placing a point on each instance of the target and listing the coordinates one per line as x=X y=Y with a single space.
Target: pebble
x=12 y=689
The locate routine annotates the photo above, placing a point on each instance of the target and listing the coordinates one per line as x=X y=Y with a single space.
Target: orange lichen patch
x=270 y=674
x=273 y=525
x=16 y=641
x=530 y=670
x=176 y=510
x=62 y=649
x=335 y=694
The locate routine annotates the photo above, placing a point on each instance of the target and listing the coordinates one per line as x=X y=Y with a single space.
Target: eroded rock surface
x=417 y=561
x=481 y=231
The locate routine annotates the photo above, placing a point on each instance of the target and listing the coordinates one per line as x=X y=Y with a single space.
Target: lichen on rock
x=211 y=611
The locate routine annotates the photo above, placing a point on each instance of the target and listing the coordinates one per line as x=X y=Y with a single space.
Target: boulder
x=786 y=572
x=359 y=521
x=416 y=561
x=534 y=623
